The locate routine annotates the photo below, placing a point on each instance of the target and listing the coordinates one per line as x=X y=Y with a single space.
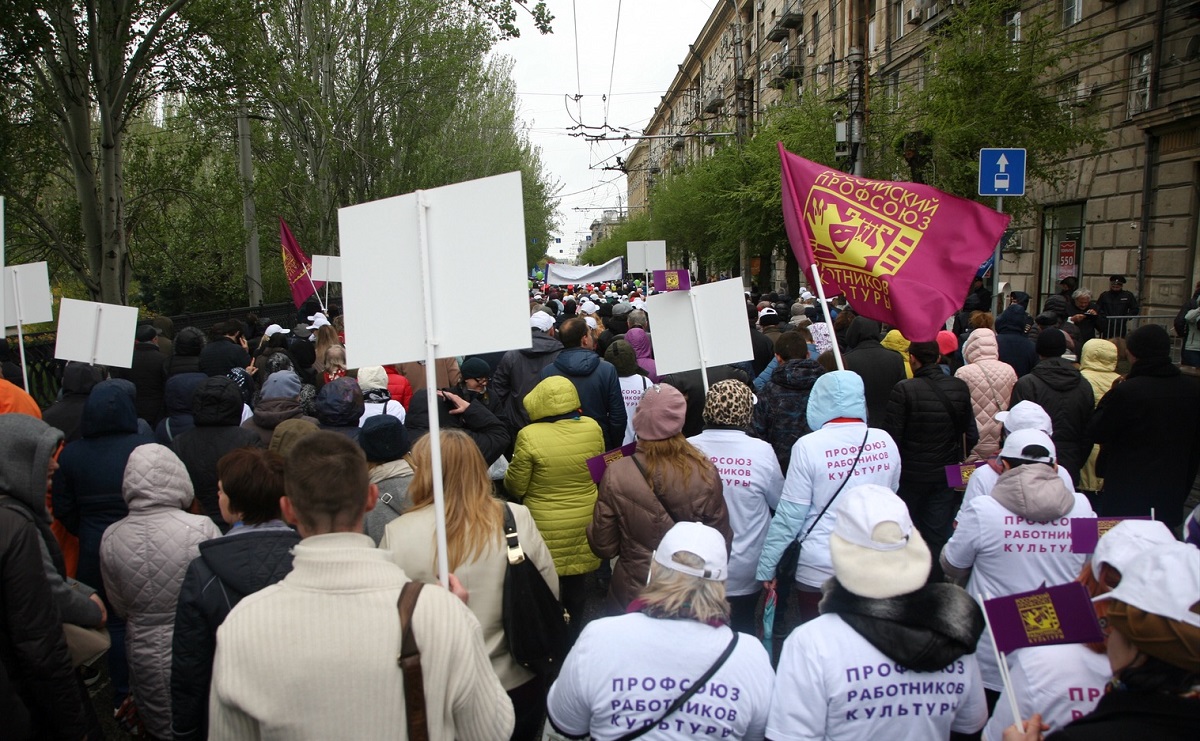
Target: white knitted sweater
x=314 y=656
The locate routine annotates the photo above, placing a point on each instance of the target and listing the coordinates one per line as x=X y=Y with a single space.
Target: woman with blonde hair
x=641 y=496
x=326 y=338
x=477 y=555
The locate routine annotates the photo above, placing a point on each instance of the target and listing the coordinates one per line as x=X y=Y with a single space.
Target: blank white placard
x=646 y=257
x=476 y=242
x=33 y=287
x=723 y=326
x=97 y=333
x=327 y=268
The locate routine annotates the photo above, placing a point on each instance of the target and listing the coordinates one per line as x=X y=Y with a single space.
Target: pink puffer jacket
x=991 y=382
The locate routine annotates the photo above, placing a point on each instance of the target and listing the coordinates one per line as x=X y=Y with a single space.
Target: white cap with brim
x=1126 y=541
x=1026 y=415
x=1164 y=581
x=877 y=553
x=541 y=320
x=1018 y=443
x=700 y=540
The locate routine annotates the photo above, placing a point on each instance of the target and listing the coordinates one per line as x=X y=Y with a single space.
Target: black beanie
x=1051 y=343
x=1149 y=341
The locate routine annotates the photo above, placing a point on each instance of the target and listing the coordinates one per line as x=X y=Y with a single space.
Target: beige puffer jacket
x=991 y=382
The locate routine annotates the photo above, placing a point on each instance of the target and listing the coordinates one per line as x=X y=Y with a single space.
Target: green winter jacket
x=549 y=472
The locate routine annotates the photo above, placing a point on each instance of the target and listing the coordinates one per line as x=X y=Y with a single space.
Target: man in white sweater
x=314 y=656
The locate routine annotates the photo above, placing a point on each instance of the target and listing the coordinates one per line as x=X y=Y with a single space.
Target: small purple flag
x=1043 y=617
x=958 y=474
x=1086 y=531
x=672 y=280
x=597 y=465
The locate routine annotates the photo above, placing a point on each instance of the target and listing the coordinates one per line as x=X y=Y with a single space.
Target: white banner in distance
x=720 y=322
x=91 y=332
x=476 y=243
x=33 y=287
x=327 y=268
x=561 y=275
x=646 y=257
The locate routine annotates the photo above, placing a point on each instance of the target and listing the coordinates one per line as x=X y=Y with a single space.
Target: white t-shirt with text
x=632 y=388
x=1061 y=682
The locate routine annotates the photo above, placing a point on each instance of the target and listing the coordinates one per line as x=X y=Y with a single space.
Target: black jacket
x=221 y=355
x=217 y=412
x=516 y=375
x=929 y=437
x=485 y=428
x=781 y=413
x=691 y=385
x=148 y=376
x=38 y=688
x=1013 y=343
x=177 y=407
x=66 y=414
x=1058 y=387
x=1128 y=714
x=879 y=367
x=1148 y=433
x=226 y=570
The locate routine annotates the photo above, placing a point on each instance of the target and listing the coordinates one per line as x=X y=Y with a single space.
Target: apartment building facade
x=1132 y=207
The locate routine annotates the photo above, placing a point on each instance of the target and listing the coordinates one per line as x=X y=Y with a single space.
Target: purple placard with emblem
x=1043 y=617
x=672 y=280
x=958 y=474
x=598 y=464
x=1086 y=531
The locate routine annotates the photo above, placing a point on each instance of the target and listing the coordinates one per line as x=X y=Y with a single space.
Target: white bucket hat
x=877 y=552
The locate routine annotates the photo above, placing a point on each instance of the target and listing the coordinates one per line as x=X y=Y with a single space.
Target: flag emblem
x=672 y=281
x=1039 y=618
x=849 y=234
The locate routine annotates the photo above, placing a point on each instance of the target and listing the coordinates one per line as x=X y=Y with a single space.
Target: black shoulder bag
x=535 y=624
x=679 y=701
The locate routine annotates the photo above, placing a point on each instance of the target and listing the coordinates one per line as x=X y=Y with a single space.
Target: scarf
x=376 y=396
x=389 y=470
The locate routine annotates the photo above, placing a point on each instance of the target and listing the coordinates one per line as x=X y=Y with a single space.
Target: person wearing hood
x=472 y=417
x=991 y=382
x=146 y=374
x=1013 y=346
x=520 y=370
x=177 y=399
x=1024 y=415
x=66 y=414
x=897 y=343
x=1098 y=364
x=1056 y=385
x=780 y=414
x=550 y=476
x=879 y=367
x=640 y=340
x=254 y=554
x=751 y=481
x=879 y=616
x=593 y=377
x=144 y=557
x=373 y=382
x=386 y=444
x=841 y=449
x=280 y=401
x=1147 y=432
x=217 y=411
x=340 y=407
x=40 y=695
x=185 y=357
x=1002 y=558
x=632 y=378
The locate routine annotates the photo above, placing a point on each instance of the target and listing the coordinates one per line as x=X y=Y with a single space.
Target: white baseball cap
x=1163 y=580
x=699 y=540
x=1126 y=541
x=1026 y=415
x=318 y=320
x=275 y=329
x=541 y=320
x=876 y=551
x=588 y=307
x=767 y=310
x=1018 y=442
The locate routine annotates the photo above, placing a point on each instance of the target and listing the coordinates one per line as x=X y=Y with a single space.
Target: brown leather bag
x=410 y=664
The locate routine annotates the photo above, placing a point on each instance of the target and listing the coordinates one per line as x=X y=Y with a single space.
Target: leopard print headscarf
x=729 y=403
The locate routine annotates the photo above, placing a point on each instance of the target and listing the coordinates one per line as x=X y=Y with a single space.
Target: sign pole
x=431 y=396
x=1000 y=305
x=1002 y=666
x=699 y=342
x=20 y=330
x=837 y=351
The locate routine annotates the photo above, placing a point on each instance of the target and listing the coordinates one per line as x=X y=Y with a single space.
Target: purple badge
x=672 y=280
x=1086 y=531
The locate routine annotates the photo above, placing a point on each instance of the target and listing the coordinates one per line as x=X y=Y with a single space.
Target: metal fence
x=1120 y=326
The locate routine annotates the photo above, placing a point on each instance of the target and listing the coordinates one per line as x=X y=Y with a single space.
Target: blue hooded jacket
x=599 y=390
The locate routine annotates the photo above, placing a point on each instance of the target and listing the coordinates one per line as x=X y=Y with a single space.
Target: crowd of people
x=231 y=524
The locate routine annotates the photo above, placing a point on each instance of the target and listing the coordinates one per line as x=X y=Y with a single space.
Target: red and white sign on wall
x=1066 y=258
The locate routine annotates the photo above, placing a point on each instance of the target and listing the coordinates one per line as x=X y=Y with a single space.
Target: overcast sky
x=638 y=45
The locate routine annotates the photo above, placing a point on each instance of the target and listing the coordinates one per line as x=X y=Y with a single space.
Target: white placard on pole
x=27 y=297
x=646 y=257
x=100 y=334
x=327 y=268
x=3 y=290
x=707 y=330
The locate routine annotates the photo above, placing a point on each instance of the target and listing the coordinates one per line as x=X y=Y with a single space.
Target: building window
x=893 y=91
x=816 y=28
x=1072 y=12
x=1139 y=81
x=1070 y=95
x=897 y=21
x=1012 y=23
x=1062 y=244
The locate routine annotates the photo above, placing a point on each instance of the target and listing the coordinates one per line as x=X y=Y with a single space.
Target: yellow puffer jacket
x=893 y=340
x=549 y=472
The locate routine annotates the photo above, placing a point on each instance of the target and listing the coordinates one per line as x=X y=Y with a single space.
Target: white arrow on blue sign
x=1002 y=172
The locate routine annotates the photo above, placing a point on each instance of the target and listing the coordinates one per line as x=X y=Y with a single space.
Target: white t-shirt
x=833 y=684
x=820 y=460
x=624 y=672
x=632 y=388
x=1008 y=554
x=1061 y=682
x=391 y=406
x=752 y=480
x=984 y=479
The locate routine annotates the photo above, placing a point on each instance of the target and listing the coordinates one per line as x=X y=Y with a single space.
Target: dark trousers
x=573 y=593
x=932 y=507
x=529 y=705
x=741 y=612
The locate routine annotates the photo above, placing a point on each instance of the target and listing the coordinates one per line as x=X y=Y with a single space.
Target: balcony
x=714 y=103
x=790 y=16
x=778 y=32
x=791 y=70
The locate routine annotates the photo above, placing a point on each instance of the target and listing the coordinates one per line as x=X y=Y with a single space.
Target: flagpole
x=837 y=351
x=316 y=293
x=20 y=330
x=1005 y=679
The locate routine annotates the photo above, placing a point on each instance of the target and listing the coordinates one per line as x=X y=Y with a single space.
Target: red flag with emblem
x=297 y=267
x=902 y=253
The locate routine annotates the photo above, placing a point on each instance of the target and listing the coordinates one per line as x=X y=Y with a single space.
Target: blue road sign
x=1002 y=172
